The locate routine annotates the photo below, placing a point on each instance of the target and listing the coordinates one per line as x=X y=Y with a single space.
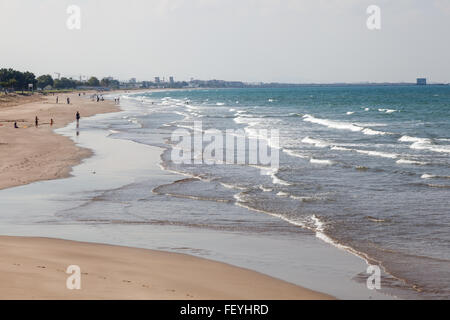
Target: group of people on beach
x=97 y=97
x=67 y=100
x=36 y=121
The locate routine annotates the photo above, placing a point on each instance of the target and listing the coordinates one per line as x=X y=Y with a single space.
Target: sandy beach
x=34 y=268
x=32 y=154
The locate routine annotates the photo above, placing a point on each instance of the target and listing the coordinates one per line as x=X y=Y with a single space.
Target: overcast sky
x=249 y=40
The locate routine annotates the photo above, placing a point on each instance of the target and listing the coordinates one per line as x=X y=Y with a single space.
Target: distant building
x=132 y=80
x=157 y=80
x=421 y=81
x=171 y=80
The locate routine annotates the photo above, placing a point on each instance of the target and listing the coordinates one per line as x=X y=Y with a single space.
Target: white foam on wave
x=340 y=125
x=430 y=147
x=294 y=154
x=413 y=139
x=321 y=161
x=349 y=113
x=316 y=142
x=406 y=161
x=265 y=189
x=338 y=148
x=368 y=152
x=432 y=176
x=372 y=132
x=276 y=180
x=378 y=154
x=425 y=144
x=387 y=110
x=318 y=227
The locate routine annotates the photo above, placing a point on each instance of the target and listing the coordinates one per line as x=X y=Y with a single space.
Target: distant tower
x=421 y=81
x=171 y=80
x=157 y=80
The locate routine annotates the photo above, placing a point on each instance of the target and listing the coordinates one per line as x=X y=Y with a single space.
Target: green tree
x=93 y=82
x=15 y=79
x=44 y=80
x=105 y=82
x=65 y=83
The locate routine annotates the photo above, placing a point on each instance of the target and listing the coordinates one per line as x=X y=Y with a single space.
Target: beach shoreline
x=33 y=268
x=30 y=153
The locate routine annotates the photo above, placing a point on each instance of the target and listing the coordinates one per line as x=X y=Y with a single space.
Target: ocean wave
x=340 y=125
x=432 y=176
x=265 y=189
x=367 y=152
x=321 y=161
x=316 y=142
x=413 y=139
x=293 y=153
x=378 y=154
x=425 y=144
x=349 y=113
x=406 y=161
x=388 y=110
x=277 y=180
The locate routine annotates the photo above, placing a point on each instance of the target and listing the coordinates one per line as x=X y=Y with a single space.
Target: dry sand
x=34 y=268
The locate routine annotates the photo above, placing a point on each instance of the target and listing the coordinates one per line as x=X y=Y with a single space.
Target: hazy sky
x=249 y=40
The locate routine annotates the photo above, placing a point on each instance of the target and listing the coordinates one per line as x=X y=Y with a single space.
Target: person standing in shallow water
x=78 y=119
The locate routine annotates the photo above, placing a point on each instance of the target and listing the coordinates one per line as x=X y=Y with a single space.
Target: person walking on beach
x=51 y=122
x=15 y=125
x=36 y=121
x=57 y=98
x=68 y=100
x=78 y=119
